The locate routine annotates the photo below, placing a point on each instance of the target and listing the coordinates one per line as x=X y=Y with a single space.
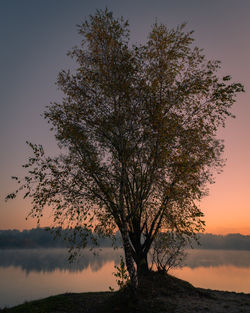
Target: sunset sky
x=35 y=37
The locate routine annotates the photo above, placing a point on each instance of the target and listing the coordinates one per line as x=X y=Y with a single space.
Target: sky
x=35 y=37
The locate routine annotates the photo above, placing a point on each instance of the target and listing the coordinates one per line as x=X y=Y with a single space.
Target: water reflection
x=38 y=273
x=213 y=258
x=49 y=260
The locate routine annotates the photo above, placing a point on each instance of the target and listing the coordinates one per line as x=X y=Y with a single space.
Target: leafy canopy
x=137 y=132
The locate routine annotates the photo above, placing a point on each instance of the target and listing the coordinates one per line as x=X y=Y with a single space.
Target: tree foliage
x=137 y=132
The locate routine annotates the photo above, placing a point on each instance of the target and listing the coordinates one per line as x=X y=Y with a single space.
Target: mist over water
x=49 y=260
x=214 y=258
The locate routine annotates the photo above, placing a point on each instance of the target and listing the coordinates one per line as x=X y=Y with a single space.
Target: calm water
x=33 y=274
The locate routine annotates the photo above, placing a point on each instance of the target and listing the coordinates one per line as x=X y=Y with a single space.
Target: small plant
x=121 y=274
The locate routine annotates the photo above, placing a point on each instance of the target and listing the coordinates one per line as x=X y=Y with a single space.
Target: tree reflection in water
x=49 y=260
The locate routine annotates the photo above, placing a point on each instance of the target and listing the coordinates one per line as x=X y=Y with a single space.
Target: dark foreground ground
x=156 y=294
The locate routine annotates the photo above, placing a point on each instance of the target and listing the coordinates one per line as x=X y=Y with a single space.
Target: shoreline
x=157 y=294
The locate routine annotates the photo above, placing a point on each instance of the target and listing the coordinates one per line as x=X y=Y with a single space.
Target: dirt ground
x=208 y=301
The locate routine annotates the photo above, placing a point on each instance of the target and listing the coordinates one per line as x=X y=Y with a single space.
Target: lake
x=28 y=274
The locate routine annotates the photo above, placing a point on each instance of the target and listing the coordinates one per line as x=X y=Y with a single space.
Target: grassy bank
x=157 y=293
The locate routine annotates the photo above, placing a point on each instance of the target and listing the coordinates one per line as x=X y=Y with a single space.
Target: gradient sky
x=35 y=37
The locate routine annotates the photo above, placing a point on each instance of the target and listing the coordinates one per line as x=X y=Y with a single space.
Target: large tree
x=137 y=132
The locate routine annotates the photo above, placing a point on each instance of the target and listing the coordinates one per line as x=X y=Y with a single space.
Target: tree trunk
x=129 y=261
x=142 y=265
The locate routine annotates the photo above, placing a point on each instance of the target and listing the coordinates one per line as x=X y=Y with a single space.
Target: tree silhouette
x=137 y=132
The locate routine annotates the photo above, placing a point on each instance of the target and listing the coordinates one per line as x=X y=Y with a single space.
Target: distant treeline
x=41 y=238
x=227 y=242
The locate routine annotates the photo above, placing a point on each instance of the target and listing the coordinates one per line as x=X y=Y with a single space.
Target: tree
x=168 y=251
x=137 y=132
